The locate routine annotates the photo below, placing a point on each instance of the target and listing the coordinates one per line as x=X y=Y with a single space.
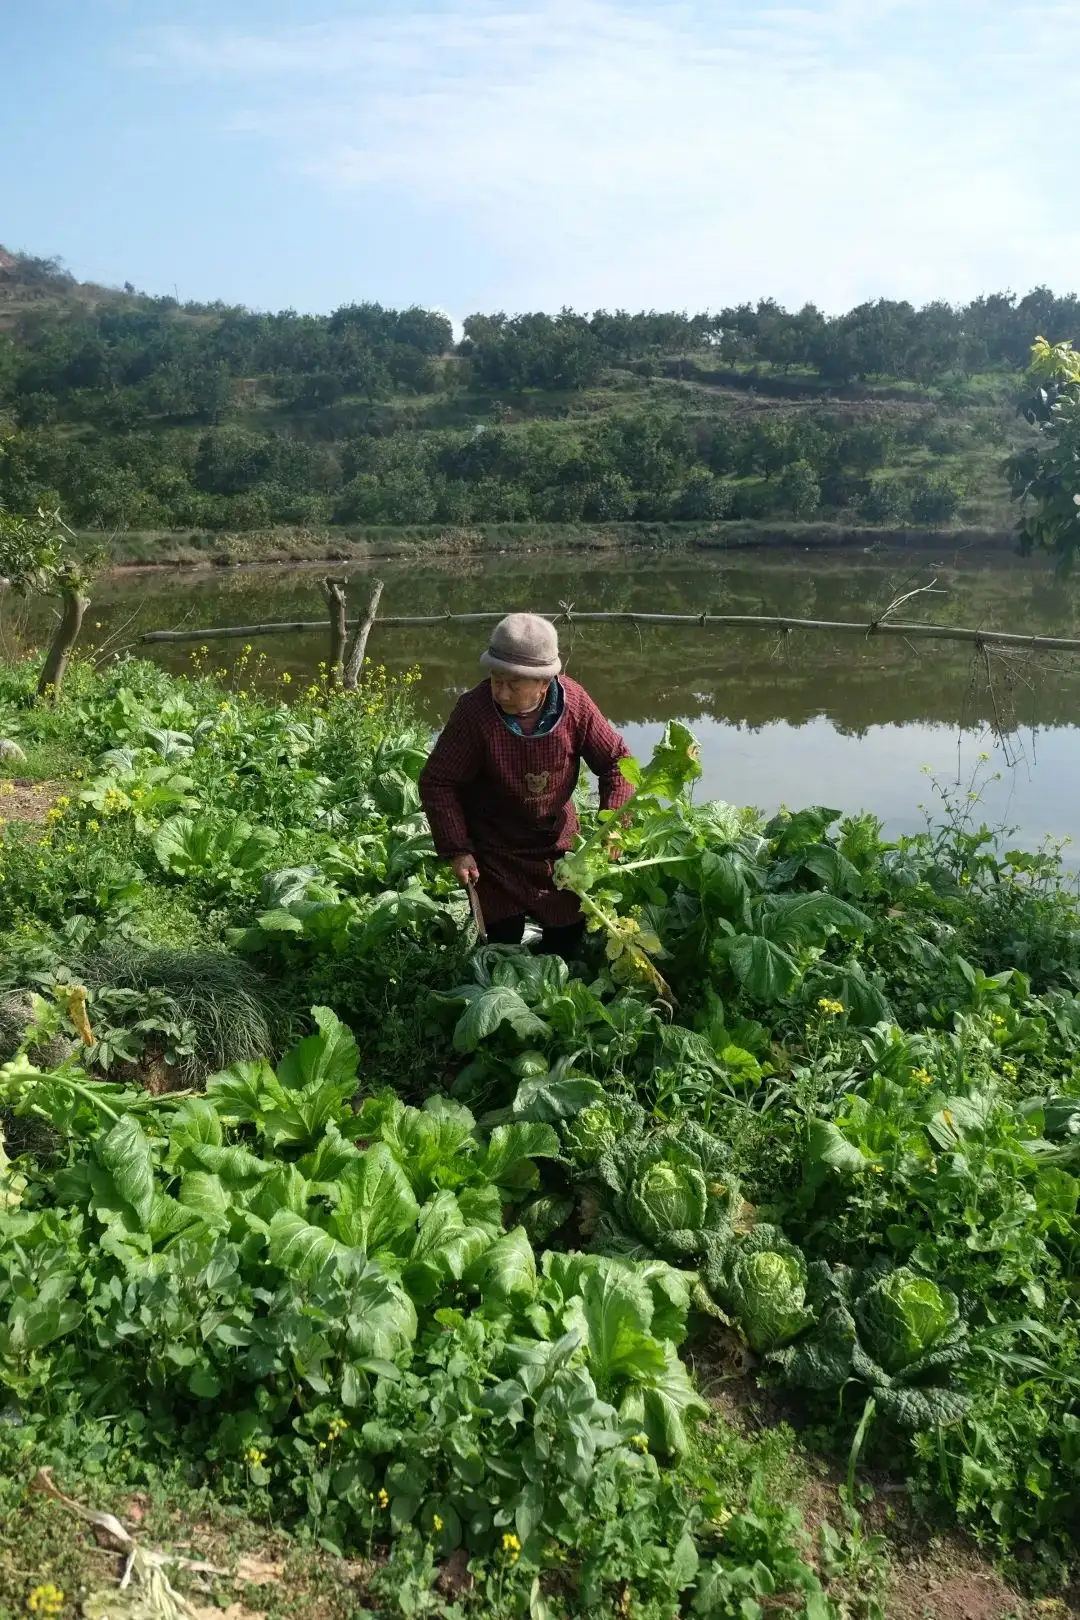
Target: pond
x=799 y=718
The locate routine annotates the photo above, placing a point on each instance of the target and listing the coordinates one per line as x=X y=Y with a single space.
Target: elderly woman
x=498 y=786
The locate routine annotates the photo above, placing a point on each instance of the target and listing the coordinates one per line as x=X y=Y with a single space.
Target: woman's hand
x=464 y=868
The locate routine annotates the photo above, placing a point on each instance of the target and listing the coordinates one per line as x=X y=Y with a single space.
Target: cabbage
x=598 y=1127
x=668 y=1199
x=897 y=1333
x=770 y=1301
x=903 y=1316
x=674 y=1192
x=761 y=1281
x=529 y=1065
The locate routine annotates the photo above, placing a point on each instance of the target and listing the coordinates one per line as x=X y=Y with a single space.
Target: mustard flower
x=45 y=1600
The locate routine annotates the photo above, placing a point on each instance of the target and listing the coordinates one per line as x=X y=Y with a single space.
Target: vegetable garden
x=438 y=1254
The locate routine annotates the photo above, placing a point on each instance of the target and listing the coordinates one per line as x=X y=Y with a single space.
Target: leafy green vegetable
x=761 y=1280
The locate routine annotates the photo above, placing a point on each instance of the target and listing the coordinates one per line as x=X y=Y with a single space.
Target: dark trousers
x=563 y=941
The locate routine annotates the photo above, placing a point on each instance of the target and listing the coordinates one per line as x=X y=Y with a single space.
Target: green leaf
x=434 y=1145
x=125 y=1153
x=330 y=1158
x=204 y=1383
x=237 y=1167
x=555 y=1095
x=507 y=1270
x=376 y=1202
x=764 y=970
x=684 y=1562
x=834 y=869
x=489 y=1010
x=508 y=1160
x=809 y=919
x=206 y=1195
x=444 y=1246
x=300 y=1249
x=921 y=1408
x=330 y=1056
x=237 y=1093
x=283 y=1188
x=189 y=846
x=196 y=1120
x=614 y=1310
x=827 y=1145
x=676 y=762
x=794 y=830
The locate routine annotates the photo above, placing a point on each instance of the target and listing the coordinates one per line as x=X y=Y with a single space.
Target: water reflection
x=782 y=718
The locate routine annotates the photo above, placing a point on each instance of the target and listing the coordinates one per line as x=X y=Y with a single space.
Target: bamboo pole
x=748 y=621
x=355 y=659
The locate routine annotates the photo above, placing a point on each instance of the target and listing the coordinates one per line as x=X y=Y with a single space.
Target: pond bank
x=319 y=546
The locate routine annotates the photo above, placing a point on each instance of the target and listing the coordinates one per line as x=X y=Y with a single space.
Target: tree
x=35 y=555
x=936 y=499
x=1045 y=477
x=799 y=489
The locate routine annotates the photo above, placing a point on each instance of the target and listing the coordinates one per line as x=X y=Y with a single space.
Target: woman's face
x=517 y=694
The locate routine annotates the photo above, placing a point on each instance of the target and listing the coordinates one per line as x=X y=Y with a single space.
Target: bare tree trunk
x=63 y=642
x=354 y=661
x=334 y=591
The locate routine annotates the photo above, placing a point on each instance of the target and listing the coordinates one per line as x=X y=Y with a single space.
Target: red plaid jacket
x=508 y=798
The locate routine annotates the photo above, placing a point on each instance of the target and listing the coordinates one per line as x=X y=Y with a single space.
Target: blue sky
x=526 y=154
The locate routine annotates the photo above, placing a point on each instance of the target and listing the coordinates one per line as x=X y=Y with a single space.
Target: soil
x=930 y=1575
x=24 y=800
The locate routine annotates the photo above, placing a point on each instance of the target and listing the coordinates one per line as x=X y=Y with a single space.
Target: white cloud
x=607 y=152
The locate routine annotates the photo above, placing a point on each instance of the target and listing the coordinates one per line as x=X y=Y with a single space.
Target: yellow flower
x=54 y=816
x=878 y=1169
x=831 y=1008
x=383 y=1499
x=1009 y=1070
x=438 y=1524
x=63 y=801
x=640 y=1442
x=946 y=1114
x=923 y=1076
x=286 y=678
x=47 y=1599
x=997 y=1021
x=93 y=826
x=254 y=1457
x=511 y=1545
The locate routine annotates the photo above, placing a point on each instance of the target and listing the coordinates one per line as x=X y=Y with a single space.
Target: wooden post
x=355 y=660
x=63 y=642
x=334 y=591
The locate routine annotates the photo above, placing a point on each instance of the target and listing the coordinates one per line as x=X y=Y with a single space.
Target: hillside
x=136 y=413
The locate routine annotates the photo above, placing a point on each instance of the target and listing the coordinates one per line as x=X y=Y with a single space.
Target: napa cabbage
x=761 y=1280
x=673 y=1192
x=898 y=1334
x=668 y=1199
x=598 y=1127
x=902 y=1317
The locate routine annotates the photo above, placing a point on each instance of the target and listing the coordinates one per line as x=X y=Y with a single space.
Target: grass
x=254 y=1569
x=235 y=1014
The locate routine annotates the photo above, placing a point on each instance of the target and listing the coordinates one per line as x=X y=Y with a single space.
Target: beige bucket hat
x=523 y=644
